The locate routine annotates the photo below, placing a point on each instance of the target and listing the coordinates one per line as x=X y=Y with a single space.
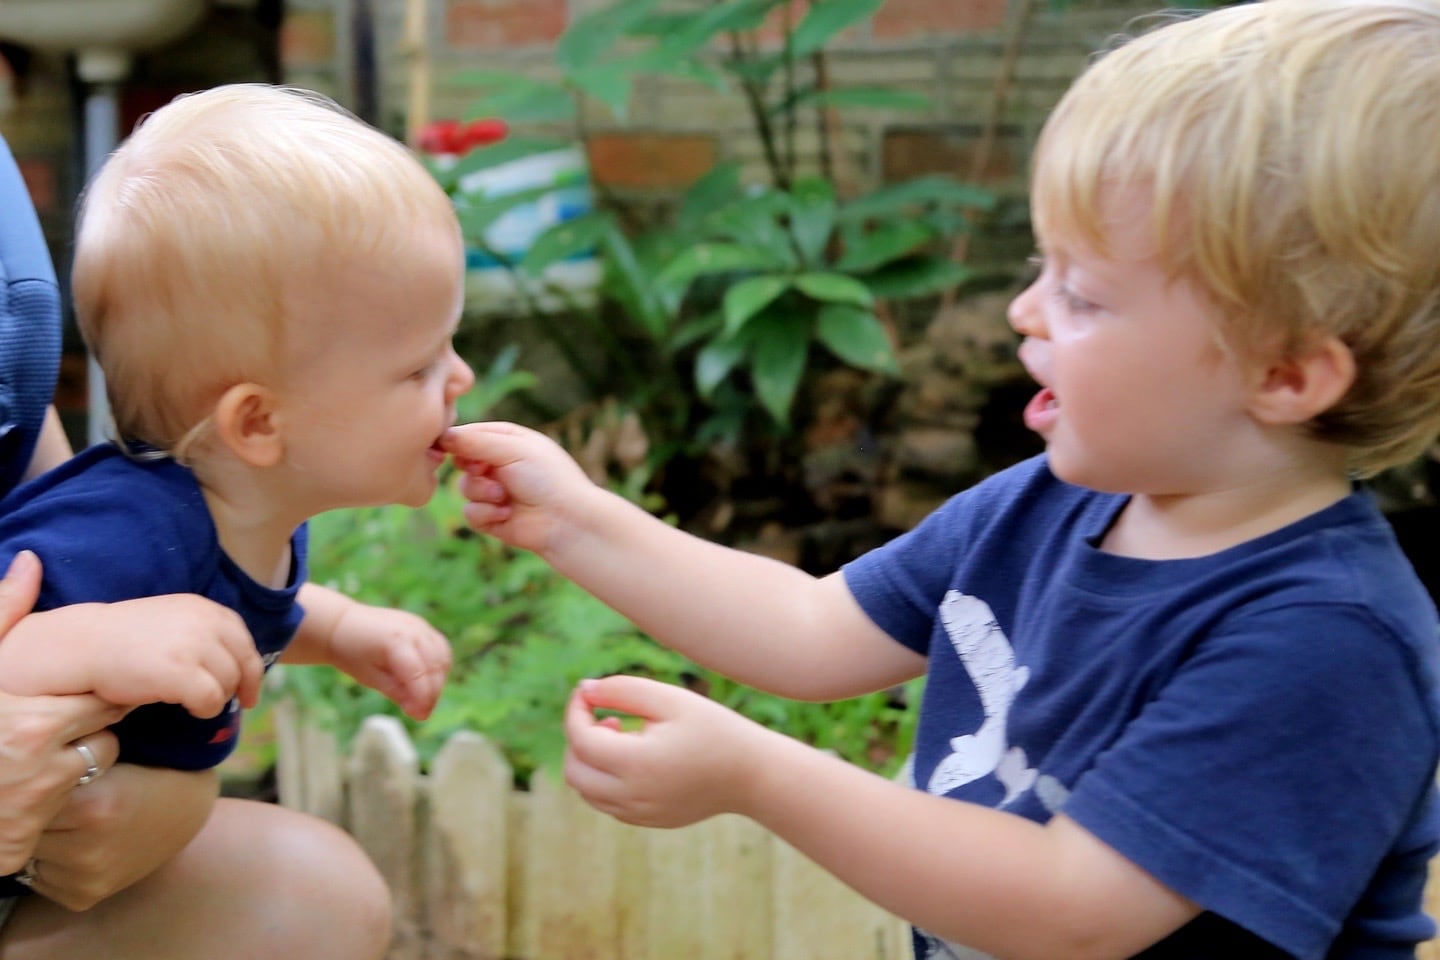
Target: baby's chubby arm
x=392 y=651
x=179 y=649
x=760 y=621
x=986 y=878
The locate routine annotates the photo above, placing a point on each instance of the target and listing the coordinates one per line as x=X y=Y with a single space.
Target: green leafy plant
x=711 y=320
x=523 y=636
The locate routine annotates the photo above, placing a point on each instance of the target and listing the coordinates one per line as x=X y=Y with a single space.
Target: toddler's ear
x=247 y=423
x=1299 y=388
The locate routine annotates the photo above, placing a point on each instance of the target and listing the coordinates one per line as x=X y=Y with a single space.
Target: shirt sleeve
x=1274 y=773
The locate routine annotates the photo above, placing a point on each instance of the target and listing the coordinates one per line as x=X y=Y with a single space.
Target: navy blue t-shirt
x=1258 y=729
x=108 y=528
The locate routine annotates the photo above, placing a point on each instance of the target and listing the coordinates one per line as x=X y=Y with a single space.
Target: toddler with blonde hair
x=1180 y=694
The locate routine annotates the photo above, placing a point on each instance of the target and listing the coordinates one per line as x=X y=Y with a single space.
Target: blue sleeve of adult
x=29 y=324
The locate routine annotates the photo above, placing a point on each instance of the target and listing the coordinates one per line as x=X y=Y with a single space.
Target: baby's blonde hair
x=196 y=226
x=1290 y=150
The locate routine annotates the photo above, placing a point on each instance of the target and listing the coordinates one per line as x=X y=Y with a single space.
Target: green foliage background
x=523 y=636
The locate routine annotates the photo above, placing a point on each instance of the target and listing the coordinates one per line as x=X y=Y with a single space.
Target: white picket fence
x=480 y=871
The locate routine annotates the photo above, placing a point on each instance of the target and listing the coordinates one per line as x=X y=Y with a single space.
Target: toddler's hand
x=394 y=652
x=691 y=759
x=519 y=481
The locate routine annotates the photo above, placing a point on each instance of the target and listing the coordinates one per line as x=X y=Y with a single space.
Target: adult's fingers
x=19 y=589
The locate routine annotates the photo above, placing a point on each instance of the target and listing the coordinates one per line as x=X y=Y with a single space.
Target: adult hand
x=118 y=830
x=39 y=762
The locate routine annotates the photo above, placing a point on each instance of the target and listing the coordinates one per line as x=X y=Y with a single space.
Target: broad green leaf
x=707 y=258
x=749 y=297
x=826 y=19
x=717 y=188
x=812 y=217
x=476 y=214
x=916 y=277
x=641 y=291
x=755 y=222
x=856 y=336
x=609 y=83
x=779 y=347
x=591 y=35
x=834 y=288
x=731 y=15
x=903 y=197
x=526 y=103
x=714 y=363
x=758 y=69
x=511 y=148
x=887 y=240
x=693 y=331
x=698 y=71
x=870 y=98
x=562 y=240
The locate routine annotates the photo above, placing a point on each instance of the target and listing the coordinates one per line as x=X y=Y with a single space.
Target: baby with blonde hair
x=270 y=287
x=1181 y=682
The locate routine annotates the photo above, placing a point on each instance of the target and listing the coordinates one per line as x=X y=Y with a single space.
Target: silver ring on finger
x=92 y=766
x=28 y=876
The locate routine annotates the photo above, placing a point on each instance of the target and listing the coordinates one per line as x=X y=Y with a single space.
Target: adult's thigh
x=258 y=881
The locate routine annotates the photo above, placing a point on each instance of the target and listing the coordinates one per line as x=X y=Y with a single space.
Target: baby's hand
x=394 y=652
x=171 y=649
x=691 y=759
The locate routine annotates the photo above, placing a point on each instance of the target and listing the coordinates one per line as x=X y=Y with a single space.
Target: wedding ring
x=28 y=876
x=92 y=768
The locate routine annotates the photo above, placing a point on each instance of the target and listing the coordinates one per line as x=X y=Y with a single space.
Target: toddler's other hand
x=690 y=760
x=394 y=652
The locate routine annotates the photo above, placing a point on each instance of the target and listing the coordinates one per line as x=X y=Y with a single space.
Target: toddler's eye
x=1071 y=302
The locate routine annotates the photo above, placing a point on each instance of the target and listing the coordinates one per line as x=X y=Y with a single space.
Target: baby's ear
x=1298 y=388
x=247 y=422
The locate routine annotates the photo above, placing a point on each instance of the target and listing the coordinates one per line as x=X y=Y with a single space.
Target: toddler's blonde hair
x=195 y=227
x=1290 y=150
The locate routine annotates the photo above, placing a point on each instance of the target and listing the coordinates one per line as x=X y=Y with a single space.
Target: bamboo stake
x=415 y=51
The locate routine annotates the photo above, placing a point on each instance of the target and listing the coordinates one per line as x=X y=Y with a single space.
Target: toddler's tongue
x=1041 y=411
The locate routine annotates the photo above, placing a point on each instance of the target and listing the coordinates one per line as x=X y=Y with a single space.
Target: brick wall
x=949 y=50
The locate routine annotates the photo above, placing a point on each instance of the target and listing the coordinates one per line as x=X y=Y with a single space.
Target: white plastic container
x=492 y=287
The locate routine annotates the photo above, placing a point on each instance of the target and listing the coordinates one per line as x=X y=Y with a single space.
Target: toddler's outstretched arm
x=986 y=878
x=763 y=622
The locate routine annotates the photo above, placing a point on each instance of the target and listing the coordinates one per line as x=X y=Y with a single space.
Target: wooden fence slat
x=632 y=891
x=517 y=844
x=819 y=918
x=570 y=877
x=739 y=880
x=384 y=771
x=466 y=864
x=676 y=906
x=309 y=768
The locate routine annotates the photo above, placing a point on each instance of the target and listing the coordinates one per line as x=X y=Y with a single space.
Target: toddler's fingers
x=482 y=487
x=638 y=696
x=483 y=516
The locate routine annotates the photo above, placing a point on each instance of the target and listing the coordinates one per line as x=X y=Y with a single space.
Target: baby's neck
x=252 y=532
